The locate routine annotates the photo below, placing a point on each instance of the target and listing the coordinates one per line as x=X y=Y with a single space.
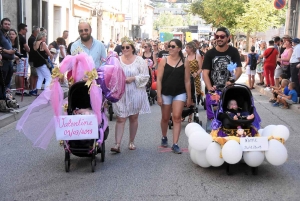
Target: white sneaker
x=267 y=89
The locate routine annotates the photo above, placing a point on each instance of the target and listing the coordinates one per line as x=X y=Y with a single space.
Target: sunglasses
x=220 y=36
x=85 y=30
x=172 y=46
x=127 y=47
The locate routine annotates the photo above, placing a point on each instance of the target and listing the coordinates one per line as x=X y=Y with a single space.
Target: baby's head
x=232 y=105
x=284 y=82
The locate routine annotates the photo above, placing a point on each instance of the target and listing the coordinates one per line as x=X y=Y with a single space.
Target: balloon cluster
x=206 y=151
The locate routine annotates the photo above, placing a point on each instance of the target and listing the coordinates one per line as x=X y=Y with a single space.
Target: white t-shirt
x=63 y=49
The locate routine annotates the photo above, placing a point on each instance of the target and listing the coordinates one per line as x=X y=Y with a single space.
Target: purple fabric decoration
x=257 y=120
x=215 y=124
x=209 y=111
x=222 y=134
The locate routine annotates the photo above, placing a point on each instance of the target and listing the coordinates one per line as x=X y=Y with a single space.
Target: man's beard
x=222 y=45
x=85 y=39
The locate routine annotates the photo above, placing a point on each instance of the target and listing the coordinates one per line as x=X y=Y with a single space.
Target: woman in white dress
x=135 y=100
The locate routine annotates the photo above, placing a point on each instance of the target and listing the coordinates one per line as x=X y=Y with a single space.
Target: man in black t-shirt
x=216 y=60
x=23 y=62
x=165 y=52
x=33 y=74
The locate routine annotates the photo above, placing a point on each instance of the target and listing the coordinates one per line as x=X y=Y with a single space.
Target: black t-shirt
x=22 y=41
x=217 y=63
x=163 y=53
x=32 y=53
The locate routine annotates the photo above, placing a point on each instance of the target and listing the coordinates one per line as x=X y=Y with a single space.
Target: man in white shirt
x=295 y=64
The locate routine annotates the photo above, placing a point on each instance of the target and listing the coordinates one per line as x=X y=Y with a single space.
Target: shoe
x=276 y=104
x=33 y=92
x=26 y=94
x=164 y=142
x=176 y=149
x=131 y=146
x=116 y=149
x=267 y=89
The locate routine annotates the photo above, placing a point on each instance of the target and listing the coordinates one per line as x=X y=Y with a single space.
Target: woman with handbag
x=173 y=90
x=285 y=58
x=41 y=62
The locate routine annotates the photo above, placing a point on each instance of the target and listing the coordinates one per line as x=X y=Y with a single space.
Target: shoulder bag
x=47 y=61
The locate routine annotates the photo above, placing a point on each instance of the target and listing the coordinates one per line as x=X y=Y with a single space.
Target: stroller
x=221 y=124
x=193 y=109
x=151 y=93
x=79 y=98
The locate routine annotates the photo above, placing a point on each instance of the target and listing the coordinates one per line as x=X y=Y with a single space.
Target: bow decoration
x=91 y=75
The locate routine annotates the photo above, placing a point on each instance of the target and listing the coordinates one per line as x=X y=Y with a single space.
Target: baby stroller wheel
x=93 y=161
x=110 y=111
x=150 y=101
x=170 y=124
x=254 y=170
x=228 y=172
x=67 y=161
x=103 y=152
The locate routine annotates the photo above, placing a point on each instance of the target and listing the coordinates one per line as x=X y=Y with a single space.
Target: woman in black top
x=42 y=53
x=173 y=90
x=148 y=54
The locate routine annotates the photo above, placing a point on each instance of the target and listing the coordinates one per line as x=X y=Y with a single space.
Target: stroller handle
x=235 y=84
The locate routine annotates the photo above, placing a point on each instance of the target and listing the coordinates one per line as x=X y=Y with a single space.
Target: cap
x=53 y=50
x=296 y=40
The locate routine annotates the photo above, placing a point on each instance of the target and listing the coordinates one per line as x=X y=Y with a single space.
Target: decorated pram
x=231 y=140
x=83 y=135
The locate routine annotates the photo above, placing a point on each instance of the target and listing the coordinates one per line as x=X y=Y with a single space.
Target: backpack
x=253 y=62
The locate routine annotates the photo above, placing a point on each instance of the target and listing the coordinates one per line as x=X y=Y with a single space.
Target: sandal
x=131 y=146
x=116 y=149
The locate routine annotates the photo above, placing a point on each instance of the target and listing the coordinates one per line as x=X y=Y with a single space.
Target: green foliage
x=166 y=21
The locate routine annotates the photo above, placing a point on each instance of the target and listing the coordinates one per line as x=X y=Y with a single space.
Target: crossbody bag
x=48 y=62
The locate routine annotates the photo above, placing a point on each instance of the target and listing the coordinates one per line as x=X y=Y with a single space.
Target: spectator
x=23 y=63
x=285 y=57
x=173 y=90
x=295 y=64
x=88 y=44
x=62 y=48
x=39 y=62
x=7 y=65
x=270 y=56
x=165 y=51
x=111 y=47
x=148 y=53
x=283 y=88
x=260 y=66
x=289 y=99
x=250 y=66
x=32 y=54
x=65 y=35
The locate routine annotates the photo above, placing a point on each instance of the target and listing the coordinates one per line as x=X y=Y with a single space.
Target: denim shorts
x=167 y=100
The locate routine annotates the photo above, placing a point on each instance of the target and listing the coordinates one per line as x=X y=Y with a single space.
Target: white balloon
x=281 y=131
x=213 y=152
x=191 y=127
x=201 y=159
x=253 y=158
x=193 y=155
x=189 y=148
x=232 y=152
x=260 y=131
x=268 y=130
x=199 y=140
x=277 y=153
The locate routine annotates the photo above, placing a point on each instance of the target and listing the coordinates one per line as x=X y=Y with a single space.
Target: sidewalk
x=261 y=89
x=8 y=118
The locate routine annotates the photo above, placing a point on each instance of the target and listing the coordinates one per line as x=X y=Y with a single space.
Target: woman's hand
x=159 y=101
x=129 y=80
x=188 y=102
x=194 y=75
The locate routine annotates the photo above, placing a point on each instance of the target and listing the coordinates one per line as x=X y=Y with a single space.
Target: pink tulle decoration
x=56 y=97
x=96 y=100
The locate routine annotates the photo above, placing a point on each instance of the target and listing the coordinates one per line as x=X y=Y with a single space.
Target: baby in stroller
x=236 y=113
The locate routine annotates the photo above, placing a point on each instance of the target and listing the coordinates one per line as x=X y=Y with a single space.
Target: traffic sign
x=279 y=4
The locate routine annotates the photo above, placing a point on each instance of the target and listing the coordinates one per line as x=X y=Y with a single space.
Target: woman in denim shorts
x=173 y=90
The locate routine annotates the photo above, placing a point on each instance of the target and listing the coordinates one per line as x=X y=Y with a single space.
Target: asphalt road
x=148 y=173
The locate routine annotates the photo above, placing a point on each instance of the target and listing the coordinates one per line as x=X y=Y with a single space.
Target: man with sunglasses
x=216 y=60
x=88 y=44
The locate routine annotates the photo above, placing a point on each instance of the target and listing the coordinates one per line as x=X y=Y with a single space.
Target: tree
x=217 y=12
x=166 y=21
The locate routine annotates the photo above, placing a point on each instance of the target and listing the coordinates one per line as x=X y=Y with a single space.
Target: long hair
x=16 y=42
x=39 y=37
x=179 y=44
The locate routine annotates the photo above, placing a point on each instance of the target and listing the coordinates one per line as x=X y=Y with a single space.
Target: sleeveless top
x=194 y=65
x=151 y=57
x=40 y=57
x=173 y=80
x=285 y=55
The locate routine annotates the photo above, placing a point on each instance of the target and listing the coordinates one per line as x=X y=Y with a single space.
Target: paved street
x=148 y=173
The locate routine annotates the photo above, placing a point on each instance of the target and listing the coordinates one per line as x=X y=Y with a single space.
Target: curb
x=12 y=117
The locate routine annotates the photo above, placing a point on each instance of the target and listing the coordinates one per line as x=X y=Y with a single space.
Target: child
x=87 y=111
x=291 y=98
x=282 y=89
x=235 y=112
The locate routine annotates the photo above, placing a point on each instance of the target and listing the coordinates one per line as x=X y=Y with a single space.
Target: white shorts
x=278 y=71
x=250 y=72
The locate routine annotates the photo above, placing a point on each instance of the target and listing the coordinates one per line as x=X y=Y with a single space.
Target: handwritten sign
x=76 y=127
x=254 y=143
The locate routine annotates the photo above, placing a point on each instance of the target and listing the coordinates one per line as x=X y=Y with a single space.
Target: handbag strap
x=38 y=51
x=174 y=67
x=270 y=53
